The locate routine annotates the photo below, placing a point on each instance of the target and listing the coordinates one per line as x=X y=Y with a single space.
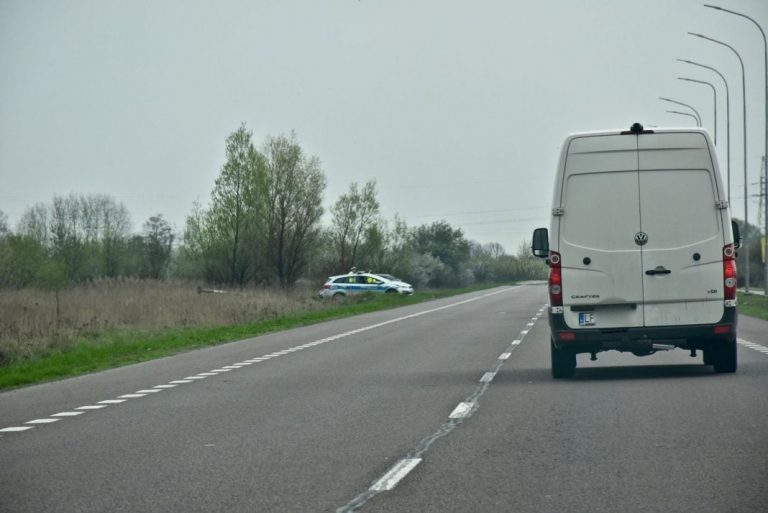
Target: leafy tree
x=157 y=245
x=293 y=207
x=355 y=213
x=447 y=244
x=21 y=258
x=232 y=224
x=751 y=236
x=4 y=230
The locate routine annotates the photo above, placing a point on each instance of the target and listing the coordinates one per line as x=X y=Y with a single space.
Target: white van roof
x=655 y=130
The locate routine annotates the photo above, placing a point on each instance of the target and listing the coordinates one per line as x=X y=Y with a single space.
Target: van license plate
x=586 y=319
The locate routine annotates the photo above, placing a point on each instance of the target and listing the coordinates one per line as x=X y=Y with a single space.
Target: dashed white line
x=401 y=469
x=180 y=381
x=112 y=401
x=505 y=356
x=461 y=411
x=149 y=391
x=132 y=396
x=164 y=386
x=516 y=342
x=68 y=414
x=488 y=377
x=92 y=407
x=15 y=429
x=753 y=346
x=42 y=421
x=393 y=476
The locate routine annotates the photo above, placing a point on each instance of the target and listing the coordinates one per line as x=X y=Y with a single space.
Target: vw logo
x=641 y=238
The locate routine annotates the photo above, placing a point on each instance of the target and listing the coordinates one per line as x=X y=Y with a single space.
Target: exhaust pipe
x=662 y=347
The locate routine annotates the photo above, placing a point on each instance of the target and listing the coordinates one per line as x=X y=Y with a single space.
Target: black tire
x=724 y=357
x=708 y=356
x=391 y=291
x=338 y=296
x=563 y=362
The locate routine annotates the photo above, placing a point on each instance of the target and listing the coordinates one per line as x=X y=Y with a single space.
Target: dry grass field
x=30 y=323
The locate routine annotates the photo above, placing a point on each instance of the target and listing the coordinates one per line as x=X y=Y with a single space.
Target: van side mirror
x=540 y=246
x=736 y=234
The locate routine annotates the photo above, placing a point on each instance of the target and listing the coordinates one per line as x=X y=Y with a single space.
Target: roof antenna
x=636 y=128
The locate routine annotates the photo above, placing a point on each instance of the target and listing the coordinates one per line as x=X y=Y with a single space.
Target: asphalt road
x=443 y=406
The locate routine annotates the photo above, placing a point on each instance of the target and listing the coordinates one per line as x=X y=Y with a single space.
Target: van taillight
x=555 y=280
x=729 y=271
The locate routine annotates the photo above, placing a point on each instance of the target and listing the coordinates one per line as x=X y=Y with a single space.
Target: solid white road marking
x=401 y=469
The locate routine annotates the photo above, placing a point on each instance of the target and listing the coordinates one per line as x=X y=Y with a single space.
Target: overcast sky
x=457 y=109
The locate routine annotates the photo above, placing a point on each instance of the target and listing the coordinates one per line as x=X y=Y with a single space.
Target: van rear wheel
x=724 y=357
x=563 y=361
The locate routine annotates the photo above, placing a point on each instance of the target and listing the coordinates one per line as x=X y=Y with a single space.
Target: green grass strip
x=115 y=348
x=754 y=305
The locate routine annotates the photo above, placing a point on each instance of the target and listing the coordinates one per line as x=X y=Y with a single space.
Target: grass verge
x=754 y=305
x=115 y=348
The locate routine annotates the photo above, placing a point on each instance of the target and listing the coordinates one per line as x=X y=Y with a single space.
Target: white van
x=642 y=252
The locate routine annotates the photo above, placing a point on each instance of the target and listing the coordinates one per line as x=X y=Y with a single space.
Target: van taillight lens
x=555 y=280
x=729 y=271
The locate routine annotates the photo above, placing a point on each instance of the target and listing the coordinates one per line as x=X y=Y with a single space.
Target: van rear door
x=602 y=282
x=682 y=258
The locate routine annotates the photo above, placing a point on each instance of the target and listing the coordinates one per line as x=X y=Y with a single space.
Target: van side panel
x=678 y=196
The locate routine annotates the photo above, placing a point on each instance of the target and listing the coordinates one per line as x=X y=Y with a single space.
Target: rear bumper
x=698 y=336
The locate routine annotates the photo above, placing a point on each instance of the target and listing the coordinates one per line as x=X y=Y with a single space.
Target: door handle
x=658 y=270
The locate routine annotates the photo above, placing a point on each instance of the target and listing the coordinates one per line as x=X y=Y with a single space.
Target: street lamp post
x=746 y=182
x=727 y=120
x=765 y=153
x=698 y=116
x=714 y=92
x=685 y=114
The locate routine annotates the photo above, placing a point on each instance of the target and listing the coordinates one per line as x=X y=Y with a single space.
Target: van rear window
x=678 y=207
x=602 y=210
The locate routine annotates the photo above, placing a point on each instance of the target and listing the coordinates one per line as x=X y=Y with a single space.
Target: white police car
x=356 y=283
